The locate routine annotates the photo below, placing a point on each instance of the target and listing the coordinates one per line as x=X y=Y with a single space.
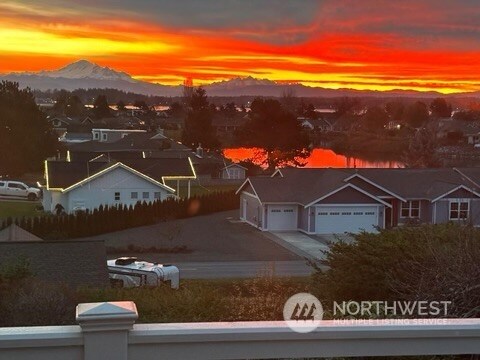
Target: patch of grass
x=17 y=209
x=202 y=190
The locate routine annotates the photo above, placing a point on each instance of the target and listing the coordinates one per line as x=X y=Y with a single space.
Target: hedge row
x=120 y=217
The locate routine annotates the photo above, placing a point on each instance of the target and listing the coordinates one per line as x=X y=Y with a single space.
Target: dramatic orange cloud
x=379 y=45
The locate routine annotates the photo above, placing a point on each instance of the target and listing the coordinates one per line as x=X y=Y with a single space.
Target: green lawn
x=17 y=209
x=201 y=190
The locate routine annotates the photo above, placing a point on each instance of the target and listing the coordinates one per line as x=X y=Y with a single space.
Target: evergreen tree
x=276 y=132
x=101 y=108
x=421 y=151
x=198 y=122
x=25 y=134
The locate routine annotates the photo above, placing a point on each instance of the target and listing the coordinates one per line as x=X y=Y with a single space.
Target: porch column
x=178 y=188
x=188 y=196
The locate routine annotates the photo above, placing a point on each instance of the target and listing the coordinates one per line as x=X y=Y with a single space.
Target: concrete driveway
x=211 y=238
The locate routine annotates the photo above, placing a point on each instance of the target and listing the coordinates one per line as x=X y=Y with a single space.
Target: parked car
x=128 y=272
x=18 y=190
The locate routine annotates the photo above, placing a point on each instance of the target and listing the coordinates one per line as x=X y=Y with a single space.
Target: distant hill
x=86 y=75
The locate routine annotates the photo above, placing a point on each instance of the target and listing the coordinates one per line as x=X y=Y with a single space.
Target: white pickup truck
x=128 y=272
x=18 y=190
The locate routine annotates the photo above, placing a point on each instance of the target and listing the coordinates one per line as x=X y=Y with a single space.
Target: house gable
x=113 y=167
x=351 y=199
x=348 y=195
x=366 y=180
x=368 y=187
x=121 y=178
x=461 y=192
x=249 y=189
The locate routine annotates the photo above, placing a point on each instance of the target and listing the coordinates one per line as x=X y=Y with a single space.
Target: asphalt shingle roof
x=62 y=174
x=132 y=142
x=307 y=185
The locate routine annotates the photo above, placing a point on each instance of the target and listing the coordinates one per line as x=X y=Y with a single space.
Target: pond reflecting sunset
x=318 y=158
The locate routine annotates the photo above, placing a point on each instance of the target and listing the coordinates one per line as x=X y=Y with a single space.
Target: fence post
x=105 y=328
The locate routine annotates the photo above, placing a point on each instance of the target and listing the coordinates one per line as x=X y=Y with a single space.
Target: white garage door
x=282 y=218
x=338 y=219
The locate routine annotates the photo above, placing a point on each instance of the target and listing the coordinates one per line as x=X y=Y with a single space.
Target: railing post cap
x=106 y=316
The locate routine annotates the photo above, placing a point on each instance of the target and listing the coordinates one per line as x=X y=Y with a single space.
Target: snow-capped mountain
x=84 y=74
x=240 y=82
x=84 y=69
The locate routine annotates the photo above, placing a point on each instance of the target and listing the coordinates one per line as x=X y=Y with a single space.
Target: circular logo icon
x=303 y=312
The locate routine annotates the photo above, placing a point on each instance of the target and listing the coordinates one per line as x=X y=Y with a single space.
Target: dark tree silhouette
x=120 y=105
x=421 y=151
x=395 y=110
x=198 y=122
x=375 y=119
x=26 y=139
x=277 y=133
x=440 y=108
x=416 y=114
x=100 y=107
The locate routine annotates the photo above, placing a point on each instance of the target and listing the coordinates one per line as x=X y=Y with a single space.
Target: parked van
x=128 y=272
x=18 y=190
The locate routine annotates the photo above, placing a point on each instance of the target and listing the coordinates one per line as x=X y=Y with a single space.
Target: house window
x=411 y=209
x=288 y=210
x=117 y=196
x=459 y=209
x=157 y=195
x=134 y=195
x=104 y=137
x=146 y=195
x=95 y=135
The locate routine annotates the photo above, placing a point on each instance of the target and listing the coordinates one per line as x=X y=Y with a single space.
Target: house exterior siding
x=442 y=211
x=311 y=212
x=303 y=214
x=250 y=209
x=233 y=172
x=425 y=213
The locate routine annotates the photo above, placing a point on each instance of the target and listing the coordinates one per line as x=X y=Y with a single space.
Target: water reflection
x=318 y=158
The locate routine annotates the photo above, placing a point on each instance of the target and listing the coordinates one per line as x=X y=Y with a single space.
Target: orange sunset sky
x=367 y=44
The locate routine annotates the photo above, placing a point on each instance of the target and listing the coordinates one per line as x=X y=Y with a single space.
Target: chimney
x=199 y=150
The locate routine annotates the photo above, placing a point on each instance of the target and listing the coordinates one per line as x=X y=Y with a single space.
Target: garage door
x=282 y=218
x=338 y=219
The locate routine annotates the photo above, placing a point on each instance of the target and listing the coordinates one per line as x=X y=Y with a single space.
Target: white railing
x=107 y=331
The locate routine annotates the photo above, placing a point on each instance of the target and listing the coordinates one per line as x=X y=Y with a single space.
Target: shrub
x=114 y=218
x=428 y=262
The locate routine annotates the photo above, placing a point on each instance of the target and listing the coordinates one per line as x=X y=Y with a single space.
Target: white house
x=234 y=172
x=87 y=185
